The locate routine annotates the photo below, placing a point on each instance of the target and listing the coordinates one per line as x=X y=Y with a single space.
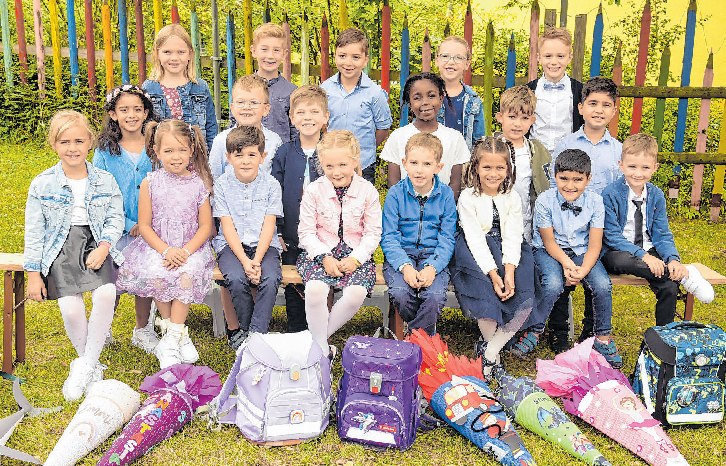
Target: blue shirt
x=454 y=115
x=604 y=156
x=278 y=120
x=571 y=231
x=247 y=204
x=361 y=112
x=218 y=155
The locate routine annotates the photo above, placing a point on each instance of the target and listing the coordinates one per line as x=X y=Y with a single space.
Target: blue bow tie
x=556 y=87
x=570 y=206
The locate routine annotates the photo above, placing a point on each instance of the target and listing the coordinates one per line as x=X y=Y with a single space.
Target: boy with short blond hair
x=418 y=252
x=466 y=112
x=295 y=166
x=269 y=46
x=638 y=240
x=516 y=115
x=356 y=103
x=247 y=202
x=250 y=104
x=558 y=94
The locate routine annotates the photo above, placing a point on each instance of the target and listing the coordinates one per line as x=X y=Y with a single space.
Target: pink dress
x=175 y=202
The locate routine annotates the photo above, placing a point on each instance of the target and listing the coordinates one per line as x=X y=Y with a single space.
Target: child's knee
x=401 y=295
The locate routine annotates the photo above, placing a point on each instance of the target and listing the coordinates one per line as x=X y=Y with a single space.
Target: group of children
x=513 y=221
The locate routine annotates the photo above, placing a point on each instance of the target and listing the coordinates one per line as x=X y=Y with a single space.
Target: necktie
x=567 y=205
x=555 y=87
x=638 y=223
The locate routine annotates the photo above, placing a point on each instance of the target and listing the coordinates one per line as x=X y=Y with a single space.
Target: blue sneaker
x=610 y=352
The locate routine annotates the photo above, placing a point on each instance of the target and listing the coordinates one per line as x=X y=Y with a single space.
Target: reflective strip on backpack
x=251 y=412
x=644 y=384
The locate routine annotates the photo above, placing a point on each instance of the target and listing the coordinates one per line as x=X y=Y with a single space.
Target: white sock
x=346 y=307
x=74 y=319
x=496 y=344
x=316 y=311
x=104 y=298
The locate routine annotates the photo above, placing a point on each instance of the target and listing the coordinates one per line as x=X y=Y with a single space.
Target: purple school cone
x=530 y=407
x=175 y=393
x=468 y=405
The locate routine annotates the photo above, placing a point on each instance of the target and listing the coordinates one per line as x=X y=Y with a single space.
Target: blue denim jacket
x=48 y=213
x=129 y=178
x=474 y=124
x=197 y=105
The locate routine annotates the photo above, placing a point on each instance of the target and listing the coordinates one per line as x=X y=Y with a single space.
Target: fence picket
x=7 y=46
x=665 y=63
x=325 y=50
x=469 y=37
x=533 y=36
x=596 y=57
x=617 y=79
x=231 y=58
x=304 y=50
x=287 y=60
x=426 y=53
x=249 y=69
x=578 y=58
x=405 y=58
x=702 y=134
x=39 y=50
x=386 y=46
x=22 y=47
x=488 y=98
x=55 y=40
x=174 y=12
x=511 y=63
x=641 y=67
x=720 y=172
x=91 y=49
x=123 y=32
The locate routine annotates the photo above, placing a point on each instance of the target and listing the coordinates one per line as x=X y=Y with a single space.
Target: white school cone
x=109 y=404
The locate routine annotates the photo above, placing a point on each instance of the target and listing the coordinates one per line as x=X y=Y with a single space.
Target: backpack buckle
x=295 y=372
x=375 y=382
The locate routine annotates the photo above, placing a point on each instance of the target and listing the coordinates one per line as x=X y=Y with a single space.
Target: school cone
x=107 y=406
x=526 y=404
x=175 y=393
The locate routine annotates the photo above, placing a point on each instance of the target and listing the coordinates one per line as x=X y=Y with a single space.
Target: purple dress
x=175 y=202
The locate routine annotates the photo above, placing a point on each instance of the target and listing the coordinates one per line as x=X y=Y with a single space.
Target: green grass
x=50 y=352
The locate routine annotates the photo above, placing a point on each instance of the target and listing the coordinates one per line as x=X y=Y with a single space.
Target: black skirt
x=474 y=288
x=69 y=275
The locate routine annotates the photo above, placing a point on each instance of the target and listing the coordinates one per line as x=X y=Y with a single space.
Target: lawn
x=50 y=352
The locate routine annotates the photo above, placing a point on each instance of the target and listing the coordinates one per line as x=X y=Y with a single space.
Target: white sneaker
x=167 y=351
x=695 y=284
x=189 y=354
x=145 y=338
x=79 y=376
x=96 y=375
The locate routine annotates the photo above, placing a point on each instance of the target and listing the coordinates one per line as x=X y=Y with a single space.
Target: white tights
x=497 y=337
x=323 y=324
x=88 y=337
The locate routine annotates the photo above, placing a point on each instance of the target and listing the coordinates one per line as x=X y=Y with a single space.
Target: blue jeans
x=420 y=308
x=550 y=283
x=253 y=314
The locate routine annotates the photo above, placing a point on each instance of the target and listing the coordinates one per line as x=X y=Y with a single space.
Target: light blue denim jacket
x=474 y=124
x=48 y=213
x=197 y=106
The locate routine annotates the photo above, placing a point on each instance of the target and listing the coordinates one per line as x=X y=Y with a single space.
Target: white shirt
x=629 y=229
x=79 y=215
x=522 y=186
x=455 y=150
x=218 y=154
x=308 y=153
x=132 y=155
x=554 y=113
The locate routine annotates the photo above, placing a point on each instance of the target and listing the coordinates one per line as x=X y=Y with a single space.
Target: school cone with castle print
x=453 y=387
x=175 y=393
x=107 y=406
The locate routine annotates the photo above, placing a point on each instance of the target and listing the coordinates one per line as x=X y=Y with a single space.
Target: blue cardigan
x=615 y=197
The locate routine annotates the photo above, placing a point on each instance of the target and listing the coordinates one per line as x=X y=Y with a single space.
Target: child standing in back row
x=340 y=228
x=73 y=218
x=356 y=103
x=465 y=114
x=174 y=87
x=122 y=152
x=172 y=260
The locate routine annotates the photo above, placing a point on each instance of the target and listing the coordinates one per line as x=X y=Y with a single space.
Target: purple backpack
x=378 y=395
x=278 y=389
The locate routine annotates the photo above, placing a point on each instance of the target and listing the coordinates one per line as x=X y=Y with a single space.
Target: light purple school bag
x=378 y=396
x=278 y=389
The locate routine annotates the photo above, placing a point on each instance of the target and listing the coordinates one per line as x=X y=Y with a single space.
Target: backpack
x=679 y=375
x=379 y=398
x=278 y=389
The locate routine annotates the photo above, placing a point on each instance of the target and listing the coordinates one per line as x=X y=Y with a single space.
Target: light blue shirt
x=361 y=112
x=604 y=156
x=571 y=231
x=218 y=155
x=247 y=204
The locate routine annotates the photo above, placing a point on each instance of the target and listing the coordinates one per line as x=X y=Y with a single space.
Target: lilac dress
x=175 y=202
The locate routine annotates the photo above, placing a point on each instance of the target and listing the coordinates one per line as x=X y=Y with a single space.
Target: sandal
x=526 y=344
x=497 y=369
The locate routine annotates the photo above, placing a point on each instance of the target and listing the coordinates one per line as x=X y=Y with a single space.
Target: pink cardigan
x=320 y=217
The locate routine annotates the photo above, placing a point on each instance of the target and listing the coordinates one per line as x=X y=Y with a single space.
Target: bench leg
x=19 y=292
x=8 y=304
x=395 y=321
x=688 y=314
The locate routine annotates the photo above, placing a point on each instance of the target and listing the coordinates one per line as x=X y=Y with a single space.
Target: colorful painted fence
x=487 y=81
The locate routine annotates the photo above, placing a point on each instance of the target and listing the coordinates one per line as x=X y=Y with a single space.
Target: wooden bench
x=14 y=302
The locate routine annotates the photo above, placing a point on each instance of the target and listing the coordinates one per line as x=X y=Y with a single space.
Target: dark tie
x=567 y=205
x=555 y=87
x=638 y=223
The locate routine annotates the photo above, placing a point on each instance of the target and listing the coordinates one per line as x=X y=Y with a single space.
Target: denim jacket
x=48 y=213
x=474 y=124
x=197 y=105
x=128 y=176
